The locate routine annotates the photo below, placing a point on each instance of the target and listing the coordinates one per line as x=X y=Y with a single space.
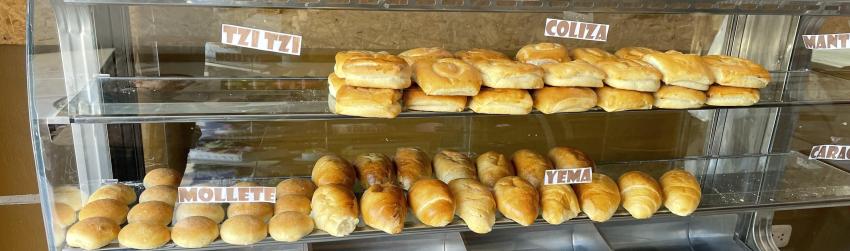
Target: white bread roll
x=70 y=195
x=63 y=215
x=498 y=73
x=685 y=70
x=384 y=208
x=591 y=55
x=450 y=165
x=262 y=210
x=476 y=54
x=374 y=168
x=151 y=212
x=194 y=232
x=92 y=233
x=141 y=235
x=416 y=55
x=517 y=200
x=599 y=199
x=366 y=102
x=567 y=157
x=331 y=169
x=558 y=203
x=677 y=97
x=530 y=166
x=502 y=101
x=335 y=209
x=295 y=186
x=474 y=203
x=576 y=73
x=641 y=194
x=292 y=203
x=431 y=202
x=736 y=72
x=447 y=76
x=681 y=192
x=212 y=211
x=719 y=95
x=615 y=100
x=412 y=164
x=492 y=166
x=334 y=84
x=628 y=74
x=372 y=70
x=167 y=194
x=634 y=53
x=107 y=208
x=549 y=100
x=542 y=53
x=415 y=99
x=290 y=226
x=243 y=230
x=162 y=177
x=120 y=192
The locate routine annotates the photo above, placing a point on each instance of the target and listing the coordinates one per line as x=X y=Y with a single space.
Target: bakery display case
x=700 y=121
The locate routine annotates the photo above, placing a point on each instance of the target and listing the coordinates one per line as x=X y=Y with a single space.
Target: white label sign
x=225 y=194
x=260 y=39
x=833 y=152
x=568 y=176
x=576 y=30
x=827 y=41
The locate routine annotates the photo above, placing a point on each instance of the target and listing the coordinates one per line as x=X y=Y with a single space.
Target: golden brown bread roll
x=374 y=168
x=447 y=76
x=549 y=100
x=334 y=84
x=70 y=195
x=542 y=53
x=63 y=214
x=107 y=208
x=335 y=209
x=615 y=100
x=559 y=203
x=641 y=194
x=194 y=232
x=366 y=102
x=292 y=203
x=517 y=199
x=498 y=73
x=243 y=230
x=290 y=226
x=212 y=211
x=262 y=210
x=416 y=55
x=412 y=164
x=737 y=72
x=431 y=202
x=372 y=70
x=295 y=186
x=167 y=194
x=151 y=212
x=677 y=97
x=92 y=233
x=492 y=166
x=474 y=203
x=450 y=165
x=719 y=95
x=628 y=74
x=591 y=55
x=634 y=53
x=120 y=192
x=685 y=70
x=530 y=166
x=479 y=54
x=576 y=73
x=681 y=192
x=162 y=177
x=567 y=157
x=599 y=199
x=142 y=235
x=331 y=169
x=415 y=99
x=384 y=208
x=501 y=101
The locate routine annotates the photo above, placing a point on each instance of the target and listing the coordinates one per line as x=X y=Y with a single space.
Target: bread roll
x=559 y=203
x=295 y=186
x=63 y=215
x=502 y=101
x=681 y=192
x=719 y=95
x=492 y=166
x=630 y=74
x=530 y=166
x=474 y=203
x=415 y=99
x=576 y=73
x=615 y=100
x=92 y=233
x=542 y=53
x=334 y=84
x=567 y=157
x=290 y=226
x=599 y=199
x=58 y=236
x=634 y=53
x=517 y=199
x=107 y=208
x=167 y=194
x=685 y=70
x=292 y=203
x=374 y=168
x=431 y=202
x=243 y=230
x=70 y=195
x=331 y=169
x=212 y=211
x=412 y=164
x=497 y=73
x=591 y=55
x=737 y=72
x=447 y=76
x=194 y=232
x=120 y=192
x=262 y=210
x=550 y=100
x=372 y=70
x=413 y=56
x=367 y=102
x=334 y=209
x=163 y=177
x=677 y=97
x=384 y=208
x=450 y=165
x=151 y=212
x=141 y=235
x=479 y=54
x=641 y=194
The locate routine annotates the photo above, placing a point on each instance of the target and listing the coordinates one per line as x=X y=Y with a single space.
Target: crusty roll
x=70 y=195
x=412 y=164
x=334 y=84
x=542 y=53
x=107 y=208
x=374 y=168
x=292 y=203
x=497 y=73
x=685 y=70
x=331 y=169
x=576 y=73
x=492 y=166
x=591 y=55
x=567 y=157
x=413 y=56
x=450 y=165
x=119 y=192
x=599 y=199
x=212 y=211
x=517 y=199
x=415 y=99
x=677 y=97
x=615 y=100
x=737 y=72
x=641 y=194
x=162 y=177
x=384 y=208
x=628 y=74
x=194 y=232
x=142 y=235
x=550 y=100
x=366 y=102
x=372 y=70
x=243 y=230
x=479 y=54
x=530 y=166
x=152 y=212
x=262 y=210
x=447 y=76
x=719 y=95
x=681 y=192
x=431 y=202
x=290 y=226
x=295 y=186
x=63 y=215
x=167 y=194
x=501 y=101
x=92 y=233
x=634 y=53
x=334 y=209
x=474 y=203
x=558 y=203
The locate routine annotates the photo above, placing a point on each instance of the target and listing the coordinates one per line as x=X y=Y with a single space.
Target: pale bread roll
x=335 y=209
x=549 y=100
x=479 y=54
x=167 y=194
x=331 y=169
x=615 y=100
x=292 y=203
x=415 y=99
x=374 y=168
x=92 y=233
x=107 y=208
x=194 y=232
x=567 y=157
x=599 y=199
x=681 y=192
x=737 y=72
x=719 y=95
x=120 y=192
x=243 y=230
x=530 y=166
x=634 y=53
x=342 y=56
x=431 y=201
x=412 y=164
x=58 y=236
x=591 y=55
x=70 y=195
x=685 y=70
x=416 y=55
x=372 y=70
x=542 y=53
x=450 y=165
x=212 y=211
x=151 y=212
x=641 y=194
x=576 y=73
x=628 y=74
x=517 y=200
x=295 y=186
x=334 y=84
x=261 y=210
x=290 y=226
x=63 y=214
x=163 y=177
x=497 y=73
x=558 y=203
x=141 y=235
x=502 y=101
x=677 y=97
x=474 y=203
x=447 y=76
x=367 y=102
x=384 y=208
x=492 y=166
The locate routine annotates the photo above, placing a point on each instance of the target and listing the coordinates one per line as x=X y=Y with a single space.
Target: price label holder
x=225 y=194
x=568 y=176
x=576 y=30
x=830 y=152
x=260 y=39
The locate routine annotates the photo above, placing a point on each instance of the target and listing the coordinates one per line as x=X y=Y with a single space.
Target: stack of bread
x=246 y=222
x=442 y=81
x=67 y=200
x=147 y=222
x=367 y=84
x=292 y=219
x=333 y=206
x=197 y=224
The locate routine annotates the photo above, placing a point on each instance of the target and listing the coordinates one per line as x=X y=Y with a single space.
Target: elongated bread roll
x=295 y=186
x=542 y=53
x=431 y=202
x=517 y=199
x=615 y=100
x=374 y=168
x=567 y=157
x=413 y=56
x=331 y=169
x=475 y=54
x=107 y=208
x=600 y=198
x=384 y=208
x=686 y=70
x=366 y=102
x=635 y=53
x=415 y=99
x=492 y=166
x=550 y=100
x=677 y=97
x=630 y=74
x=335 y=209
x=681 y=192
x=576 y=73
x=559 y=203
x=502 y=101
x=450 y=165
x=475 y=204
x=641 y=194
x=531 y=166
x=447 y=76
x=719 y=95
x=591 y=55
x=412 y=164
x=737 y=72
x=498 y=73
x=373 y=70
